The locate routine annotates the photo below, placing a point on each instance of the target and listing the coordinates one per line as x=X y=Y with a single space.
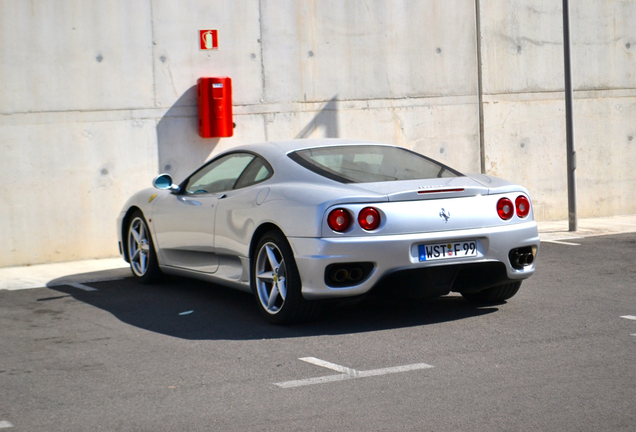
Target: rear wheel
x=493 y=295
x=276 y=282
x=141 y=250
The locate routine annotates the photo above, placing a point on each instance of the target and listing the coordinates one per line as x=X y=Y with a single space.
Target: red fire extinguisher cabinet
x=215 y=107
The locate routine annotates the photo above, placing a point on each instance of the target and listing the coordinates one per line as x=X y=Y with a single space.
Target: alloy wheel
x=139 y=246
x=271 y=278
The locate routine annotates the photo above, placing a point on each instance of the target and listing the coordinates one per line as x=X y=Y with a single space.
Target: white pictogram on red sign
x=208 y=39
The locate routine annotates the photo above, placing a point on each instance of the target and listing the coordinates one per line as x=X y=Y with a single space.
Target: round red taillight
x=505 y=208
x=369 y=218
x=523 y=206
x=338 y=220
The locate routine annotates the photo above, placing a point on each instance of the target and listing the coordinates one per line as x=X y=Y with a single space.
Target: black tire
x=493 y=295
x=140 y=250
x=276 y=282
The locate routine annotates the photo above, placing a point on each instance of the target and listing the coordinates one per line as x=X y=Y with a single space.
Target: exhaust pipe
x=355 y=274
x=521 y=257
x=529 y=259
x=341 y=275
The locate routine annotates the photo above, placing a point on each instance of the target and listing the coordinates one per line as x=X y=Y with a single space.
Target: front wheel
x=493 y=295
x=276 y=282
x=141 y=250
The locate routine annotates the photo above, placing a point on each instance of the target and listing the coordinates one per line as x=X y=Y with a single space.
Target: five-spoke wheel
x=276 y=282
x=271 y=278
x=141 y=251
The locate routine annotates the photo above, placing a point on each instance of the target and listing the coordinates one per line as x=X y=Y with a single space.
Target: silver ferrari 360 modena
x=295 y=222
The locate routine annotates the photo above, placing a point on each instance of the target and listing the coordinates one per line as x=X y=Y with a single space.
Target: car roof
x=275 y=149
x=275 y=152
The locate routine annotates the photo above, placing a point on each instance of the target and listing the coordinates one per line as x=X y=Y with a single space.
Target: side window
x=220 y=175
x=256 y=172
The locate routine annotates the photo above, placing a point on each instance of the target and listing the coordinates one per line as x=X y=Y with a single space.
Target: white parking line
x=561 y=242
x=328 y=365
x=5 y=424
x=347 y=373
x=629 y=317
x=82 y=287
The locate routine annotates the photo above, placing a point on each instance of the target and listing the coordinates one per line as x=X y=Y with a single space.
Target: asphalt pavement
x=90 y=349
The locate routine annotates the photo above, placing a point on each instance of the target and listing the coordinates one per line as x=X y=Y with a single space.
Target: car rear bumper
x=397 y=253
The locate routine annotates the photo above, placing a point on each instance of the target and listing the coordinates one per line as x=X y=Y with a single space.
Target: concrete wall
x=524 y=118
x=98 y=97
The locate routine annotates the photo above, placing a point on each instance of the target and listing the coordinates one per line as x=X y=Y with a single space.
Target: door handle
x=189 y=201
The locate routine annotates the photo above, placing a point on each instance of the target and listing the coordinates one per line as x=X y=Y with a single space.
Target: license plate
x=442 y=251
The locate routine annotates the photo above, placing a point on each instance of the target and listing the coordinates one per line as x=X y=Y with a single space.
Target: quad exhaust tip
x=343 y=275
x=347 y=274
x=521 y=257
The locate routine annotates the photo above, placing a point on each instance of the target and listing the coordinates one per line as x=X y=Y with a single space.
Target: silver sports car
x=300 y=221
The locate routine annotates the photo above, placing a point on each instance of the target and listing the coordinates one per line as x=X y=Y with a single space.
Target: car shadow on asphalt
x=195 y=310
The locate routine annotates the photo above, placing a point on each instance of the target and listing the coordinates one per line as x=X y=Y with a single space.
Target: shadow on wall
x=326 y=119
x=180 y=148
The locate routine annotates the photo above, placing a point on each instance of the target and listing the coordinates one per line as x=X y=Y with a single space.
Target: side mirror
x=164 y=182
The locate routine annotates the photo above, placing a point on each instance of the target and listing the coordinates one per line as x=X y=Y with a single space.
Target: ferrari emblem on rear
x=444 y=215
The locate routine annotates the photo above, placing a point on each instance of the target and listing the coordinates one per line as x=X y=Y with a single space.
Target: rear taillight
x=523 y=206
x=369 y=218
x=338 y=220
x=505 y=208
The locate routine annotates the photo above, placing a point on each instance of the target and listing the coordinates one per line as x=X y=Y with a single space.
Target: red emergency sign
x=208 y=39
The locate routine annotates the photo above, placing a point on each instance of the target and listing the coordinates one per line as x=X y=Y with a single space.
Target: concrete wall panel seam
x=152 y=36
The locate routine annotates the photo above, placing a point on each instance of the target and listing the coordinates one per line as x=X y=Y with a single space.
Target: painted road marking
x=82 y=287
x=346 y=373
x=327 y=365
x=630 y=317
x=561 y=242
x=5 y=424
x=186 y=312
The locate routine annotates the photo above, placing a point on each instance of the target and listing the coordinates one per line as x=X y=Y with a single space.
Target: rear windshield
x=370 y=163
